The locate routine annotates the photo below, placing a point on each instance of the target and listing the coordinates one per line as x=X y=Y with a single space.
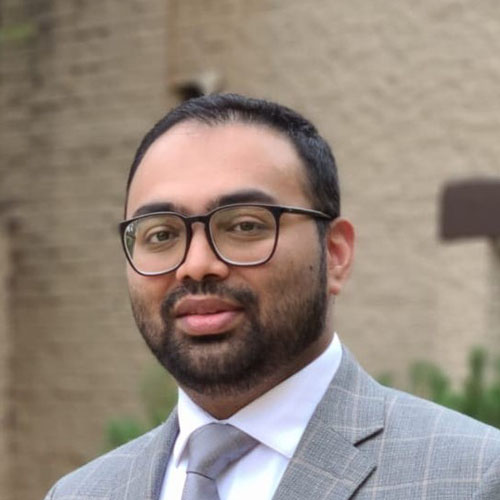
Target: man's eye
x=158 y=236
x=247 y=226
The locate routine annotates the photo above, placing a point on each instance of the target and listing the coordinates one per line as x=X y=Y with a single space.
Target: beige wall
x=408 y=94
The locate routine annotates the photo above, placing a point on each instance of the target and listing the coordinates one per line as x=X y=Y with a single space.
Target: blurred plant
x=17 y=32
x=478 y=397
x=158 y=394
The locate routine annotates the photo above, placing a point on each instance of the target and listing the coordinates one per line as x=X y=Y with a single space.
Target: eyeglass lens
x=240 y=235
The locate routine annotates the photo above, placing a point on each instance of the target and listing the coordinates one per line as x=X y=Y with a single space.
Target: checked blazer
x=364 y=441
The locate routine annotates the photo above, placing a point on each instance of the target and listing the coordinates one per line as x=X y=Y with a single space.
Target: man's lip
x=203 y=305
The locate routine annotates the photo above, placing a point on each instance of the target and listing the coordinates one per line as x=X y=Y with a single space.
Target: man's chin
x=218 y=363
x=206 y=353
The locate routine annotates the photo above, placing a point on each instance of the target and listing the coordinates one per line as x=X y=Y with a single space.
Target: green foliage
x=158 y=394
x=479 y=396
x=121 y=430
x=17 y=32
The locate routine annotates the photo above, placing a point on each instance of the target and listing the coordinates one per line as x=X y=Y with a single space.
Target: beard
x=265 y=343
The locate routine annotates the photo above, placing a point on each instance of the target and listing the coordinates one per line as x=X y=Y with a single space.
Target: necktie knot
x=212 y=448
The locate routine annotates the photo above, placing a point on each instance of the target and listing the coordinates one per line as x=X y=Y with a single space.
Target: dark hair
x=218 y=109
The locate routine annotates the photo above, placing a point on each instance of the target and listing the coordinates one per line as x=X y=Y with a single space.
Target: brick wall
x=81 y=82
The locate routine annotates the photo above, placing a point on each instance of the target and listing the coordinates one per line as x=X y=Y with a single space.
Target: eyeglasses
x=240 y=235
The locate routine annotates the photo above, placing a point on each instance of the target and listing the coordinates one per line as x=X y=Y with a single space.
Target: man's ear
x=340 y=252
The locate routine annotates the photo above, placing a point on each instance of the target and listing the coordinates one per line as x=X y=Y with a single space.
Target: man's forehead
x=228 y=137
x=194 y=158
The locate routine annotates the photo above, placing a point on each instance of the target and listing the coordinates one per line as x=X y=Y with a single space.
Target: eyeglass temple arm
x=307 y=211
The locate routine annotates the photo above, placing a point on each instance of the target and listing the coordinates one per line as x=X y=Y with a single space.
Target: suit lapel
x=328 y=464
x=148 y=470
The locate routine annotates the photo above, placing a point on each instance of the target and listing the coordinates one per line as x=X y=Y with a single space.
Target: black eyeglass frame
x=276 y=210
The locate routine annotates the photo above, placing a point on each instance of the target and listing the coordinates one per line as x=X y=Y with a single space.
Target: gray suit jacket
x=364 y=441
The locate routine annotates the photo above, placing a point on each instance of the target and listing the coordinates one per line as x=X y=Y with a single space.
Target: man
x=236 y=249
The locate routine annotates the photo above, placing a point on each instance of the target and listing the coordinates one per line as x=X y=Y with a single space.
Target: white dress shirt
x=277 y=420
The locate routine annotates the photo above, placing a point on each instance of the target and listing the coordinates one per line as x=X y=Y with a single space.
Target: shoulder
x=406 y=414
x=416 y=444
x=105 y=473
x=439 y=444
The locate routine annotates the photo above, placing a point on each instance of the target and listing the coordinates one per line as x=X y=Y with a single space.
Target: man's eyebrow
x=151 y=208
x=243 y=196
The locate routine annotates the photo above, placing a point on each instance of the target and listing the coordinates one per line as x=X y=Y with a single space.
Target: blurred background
x=407 y=93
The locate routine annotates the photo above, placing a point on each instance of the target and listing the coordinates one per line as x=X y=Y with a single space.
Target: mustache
x=243 y=296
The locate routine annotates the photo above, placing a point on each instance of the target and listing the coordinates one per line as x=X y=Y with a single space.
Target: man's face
x=219 y=328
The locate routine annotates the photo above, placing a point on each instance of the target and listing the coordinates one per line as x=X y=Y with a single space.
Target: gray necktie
x=212 y=448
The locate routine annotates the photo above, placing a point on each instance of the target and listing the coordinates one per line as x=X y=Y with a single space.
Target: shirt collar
x=275 y=419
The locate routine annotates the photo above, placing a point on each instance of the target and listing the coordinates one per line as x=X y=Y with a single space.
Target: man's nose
x=201 y=261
